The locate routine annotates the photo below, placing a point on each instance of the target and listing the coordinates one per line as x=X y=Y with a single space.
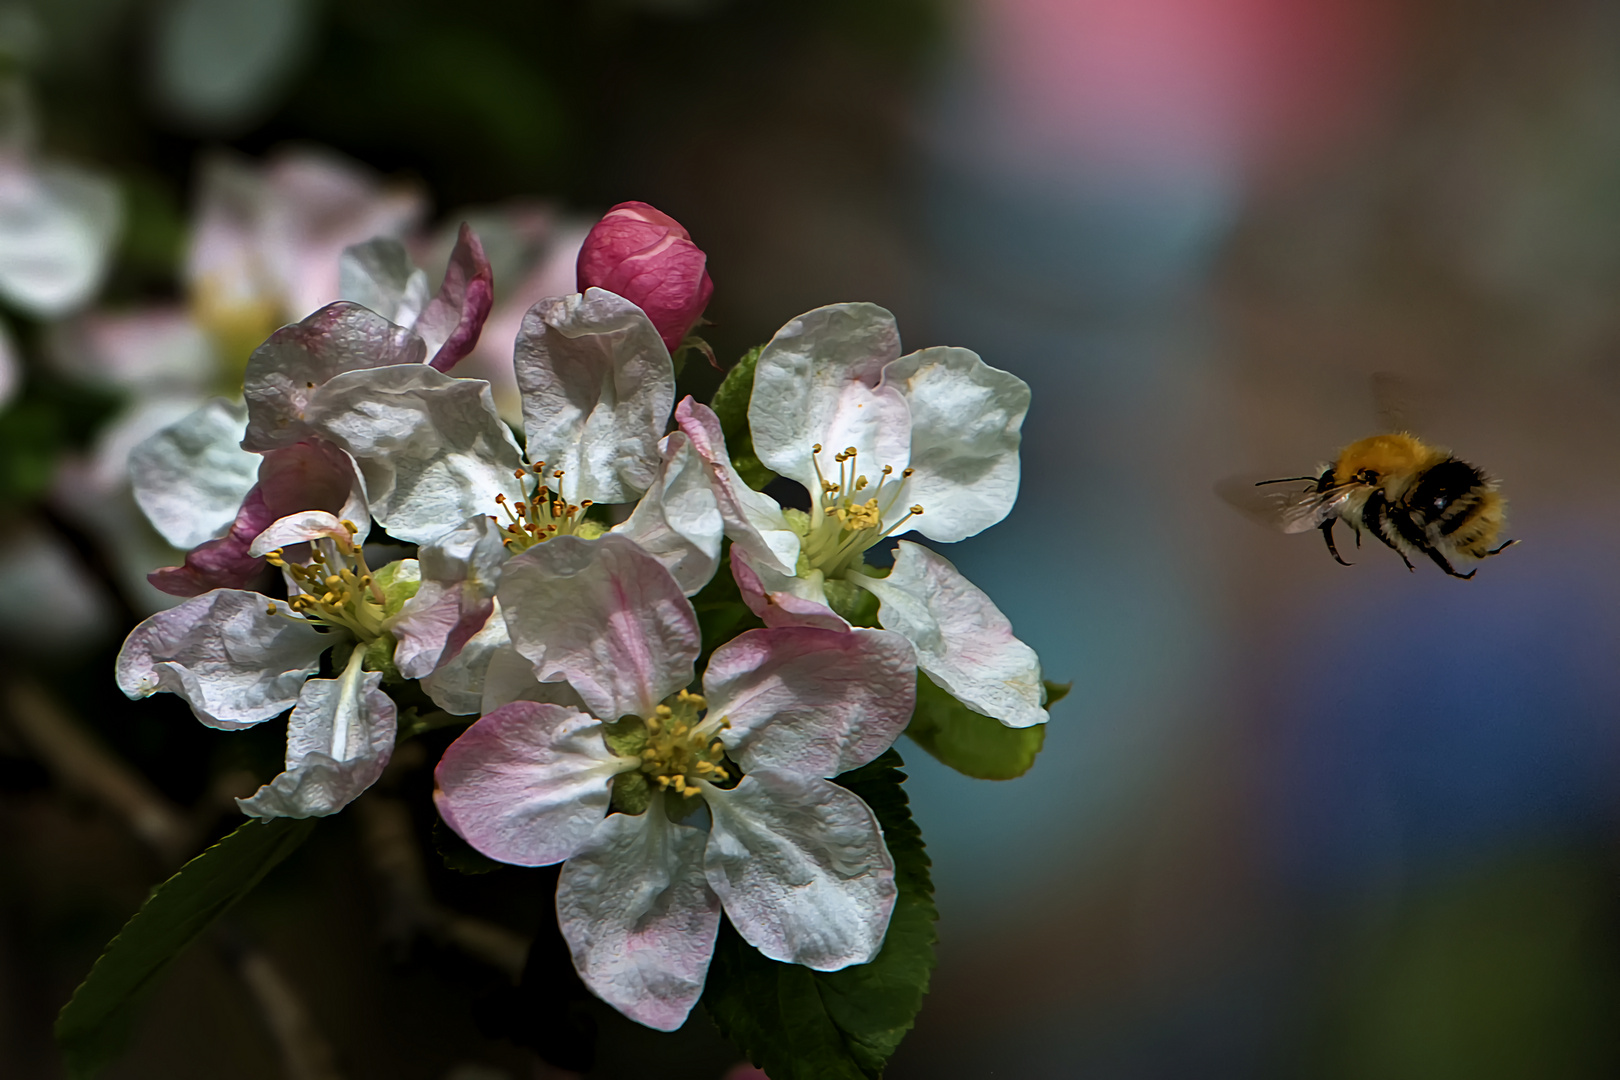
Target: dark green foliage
x=93 y=1027
x=799 y=1024
x=731 y=406
x=459 y=855
x=970 y=742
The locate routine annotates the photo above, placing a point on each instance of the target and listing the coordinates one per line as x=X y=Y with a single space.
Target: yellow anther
x=918 y=510
x=354 y=530
x=816 y=449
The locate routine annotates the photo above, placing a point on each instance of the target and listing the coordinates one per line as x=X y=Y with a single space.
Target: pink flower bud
x=645 y=256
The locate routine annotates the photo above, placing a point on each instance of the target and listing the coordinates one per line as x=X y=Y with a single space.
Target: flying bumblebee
x=1418 y=499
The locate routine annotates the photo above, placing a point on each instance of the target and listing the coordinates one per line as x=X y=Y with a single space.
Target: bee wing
x=1290 y=510
x=1402 y=400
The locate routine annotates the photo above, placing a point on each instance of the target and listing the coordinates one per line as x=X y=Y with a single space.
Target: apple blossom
x=884 y=444
x=647 y=257
x=607 y=787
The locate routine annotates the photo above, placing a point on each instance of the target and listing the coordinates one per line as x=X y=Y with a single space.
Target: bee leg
x=1327 y=534
x=1440 y=561
x=1501 y=547
x=1375 y=514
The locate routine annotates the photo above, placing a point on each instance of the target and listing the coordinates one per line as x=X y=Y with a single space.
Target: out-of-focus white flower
x=884 y=443
x=797 y=862
x=58 y=222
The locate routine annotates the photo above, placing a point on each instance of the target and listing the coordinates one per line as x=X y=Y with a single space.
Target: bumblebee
x=1418 y=499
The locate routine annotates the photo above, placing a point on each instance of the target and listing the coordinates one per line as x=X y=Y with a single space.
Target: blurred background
x=1295 y=820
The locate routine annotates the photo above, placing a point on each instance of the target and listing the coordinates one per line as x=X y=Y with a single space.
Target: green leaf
x=799 y=1024
x=971 y=742
x=1055 y=691
x=94 y=1026
x=730 y=404
x=721 y=612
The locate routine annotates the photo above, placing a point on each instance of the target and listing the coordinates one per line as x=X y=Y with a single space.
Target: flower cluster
x=367 y=534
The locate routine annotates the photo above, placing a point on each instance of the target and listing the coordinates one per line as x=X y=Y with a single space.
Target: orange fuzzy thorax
x=1387 y=455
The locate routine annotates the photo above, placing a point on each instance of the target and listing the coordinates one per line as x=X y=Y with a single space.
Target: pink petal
x=457 y=313
x=528 y=783
x=811 y=701
x=778 y=606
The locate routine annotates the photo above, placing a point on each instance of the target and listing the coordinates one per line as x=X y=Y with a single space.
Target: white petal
x=430 y=446
x=784 y=599
x=639 y=917
x=963 y=641
x=604 y=615
x=459 y=573
x=811 y=701
x=528 y=783
x=801 y=867
x=379 y=275
x=339 y=740
x=965 y=421
x=191 y=477
x=752 y=518
x=457 y=686
x=223 y=652
x=58 y=225
x=597 y=387
x=286 y=374
x=818 y=382
x=677 y=520
x=299 y=528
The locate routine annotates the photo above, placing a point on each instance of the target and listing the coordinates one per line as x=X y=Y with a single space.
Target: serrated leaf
x=799 y=1024
x=93 y=1027
x=969 y=742
x=730 y=404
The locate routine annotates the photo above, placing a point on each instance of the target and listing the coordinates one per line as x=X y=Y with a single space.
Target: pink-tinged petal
x=314 y=475
x=147 y=350
x=817 y=382
x=801 y=867
x=597 y=387
x=783 y=599
x=508 y=677
x=810 y=701
x=226 y=563
x=285 y=374
x=604 y=615
x=455 y=317
x=965 y=422
x=190 y=478
x=233 y=661
x=431 y=448
x=459 y=573
x=677 y=520
x=528 y=783
x=639 y=916
x=339 y=739
x=647 y=257
x=299 y=528
x=964 y=643
x=58 y=230
x=752 y=519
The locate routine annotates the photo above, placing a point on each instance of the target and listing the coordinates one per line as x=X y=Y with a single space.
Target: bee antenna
x=1284 y=480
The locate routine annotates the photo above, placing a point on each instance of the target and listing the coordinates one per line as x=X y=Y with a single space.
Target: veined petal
x=597 y=387
x=811 y=701
x=604 y=615
x=752 y=519
x=224 y=563
x=234 y=662
x=965 y=421
x=339 y=740
x=801 y=867
x=457 y=685
x=677 y=520
x=454 y=318
x=191 y=477
x=459 y=573
x=380 y=276
x=431 y=448
x=963 y=641
x=784 y=599
x=509 y=677
x=818 y=382
x=286 y=374
x=639 y=916
x=528 y=783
